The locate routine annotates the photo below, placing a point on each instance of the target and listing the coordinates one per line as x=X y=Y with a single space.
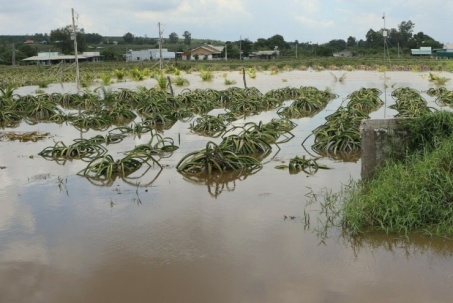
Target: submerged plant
x=229 y=82
x=106 y=168
x=216 y=159
x=444 y=96
x=207 y=125
x=437 y=80
x=162 y=81
x=119 y=74
x=157 y=146
x=106 y=79
x=206 y=75
x=23 y=137
x=181 y=81
x=81 y=149
x=309 y=166
x=251 y=72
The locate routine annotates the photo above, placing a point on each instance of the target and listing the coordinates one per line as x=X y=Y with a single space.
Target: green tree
x=27 y=50
x=232 y=49
x=420 y=40
x=187 y=38
x=406 y=29
x=93 y=38
x=325 y=50
x=6 y=55
x=336 y=45
x=260 y=44
x=129 y=38
x=279 y=41
x=111 y=55
x=246 y=47
x=374 y=39
x=352 y=41
x=61 y=37
x=39 y=38
x=394 y=37
x=173 y=37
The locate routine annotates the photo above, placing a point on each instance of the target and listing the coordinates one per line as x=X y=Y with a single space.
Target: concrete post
x=381 y=139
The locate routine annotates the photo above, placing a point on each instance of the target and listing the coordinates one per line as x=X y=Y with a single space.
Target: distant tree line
x=401 y=38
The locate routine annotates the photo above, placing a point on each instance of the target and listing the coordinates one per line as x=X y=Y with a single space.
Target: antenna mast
x=384 y=34
x=74 y=38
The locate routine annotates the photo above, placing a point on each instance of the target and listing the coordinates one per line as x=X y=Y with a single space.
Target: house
x=149 y=54
x=422 y=51
x=269 y=54
x=55 y=57
x=207 y=51
x=344 y=53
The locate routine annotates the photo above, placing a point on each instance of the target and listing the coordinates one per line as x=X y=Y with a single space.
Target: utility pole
x=226 y=52
x=160 y=46
x=384 y=34
x=74 y=38
x=240 y=47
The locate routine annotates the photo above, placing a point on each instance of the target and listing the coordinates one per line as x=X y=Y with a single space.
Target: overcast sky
x=318 y=21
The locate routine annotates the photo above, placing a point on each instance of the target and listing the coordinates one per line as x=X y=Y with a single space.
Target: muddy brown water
x=65 y=239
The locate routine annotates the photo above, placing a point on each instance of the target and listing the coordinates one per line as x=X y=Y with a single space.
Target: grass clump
x=229 y=82
x=162 y=81
x=206 y=75
x=437 y=80
x=412 y=195
x=106 y=79
x=120 y=74
x=181 y=81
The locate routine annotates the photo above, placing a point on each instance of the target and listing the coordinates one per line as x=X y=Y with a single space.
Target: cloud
x=313 y=20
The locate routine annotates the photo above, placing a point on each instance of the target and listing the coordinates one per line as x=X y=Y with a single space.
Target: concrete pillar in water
x=380 y=140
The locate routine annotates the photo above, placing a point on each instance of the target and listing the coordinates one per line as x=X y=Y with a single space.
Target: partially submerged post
x=171 y=87
x=243 y=77
x=381 y=140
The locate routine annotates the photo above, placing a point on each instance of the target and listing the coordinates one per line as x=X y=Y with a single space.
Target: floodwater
x=65 y=239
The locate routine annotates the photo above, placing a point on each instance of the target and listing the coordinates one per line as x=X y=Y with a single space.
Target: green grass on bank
x=414 y=195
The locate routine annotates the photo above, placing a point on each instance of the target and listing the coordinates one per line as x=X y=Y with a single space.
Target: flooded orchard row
x=168 y=238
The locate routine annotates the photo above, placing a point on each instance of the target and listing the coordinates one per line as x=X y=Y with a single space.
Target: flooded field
x=167 y=238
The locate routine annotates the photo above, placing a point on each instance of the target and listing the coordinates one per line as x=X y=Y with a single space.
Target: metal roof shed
x=423 y=51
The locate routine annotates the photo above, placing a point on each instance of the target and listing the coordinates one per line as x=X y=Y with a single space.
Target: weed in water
x=229 y=82
x=206 y=75
x=180 y=81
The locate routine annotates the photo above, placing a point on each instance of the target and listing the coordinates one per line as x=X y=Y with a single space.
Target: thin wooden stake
x=243 y=77
x=169 y=84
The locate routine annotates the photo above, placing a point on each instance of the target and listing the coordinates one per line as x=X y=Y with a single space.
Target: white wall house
x=148 y=54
